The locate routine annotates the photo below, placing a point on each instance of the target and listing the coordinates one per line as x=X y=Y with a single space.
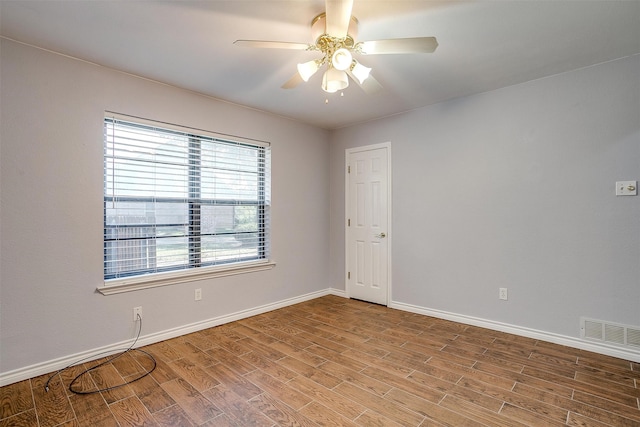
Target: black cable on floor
x=111 y=359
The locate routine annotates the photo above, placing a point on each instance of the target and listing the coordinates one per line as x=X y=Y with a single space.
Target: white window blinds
x=179 y=199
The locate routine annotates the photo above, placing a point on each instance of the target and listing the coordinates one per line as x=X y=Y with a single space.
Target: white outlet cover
x=626 y=188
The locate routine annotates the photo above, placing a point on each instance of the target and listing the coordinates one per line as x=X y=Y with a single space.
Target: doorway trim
x=348 y=152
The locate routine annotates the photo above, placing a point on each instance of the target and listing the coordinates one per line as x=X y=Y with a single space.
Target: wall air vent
x=592 y=329
x=633 y=337
x=610 y=333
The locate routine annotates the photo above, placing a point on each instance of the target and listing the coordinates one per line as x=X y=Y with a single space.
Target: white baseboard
x=21 y=374
x=338 y=292
x=605 y=349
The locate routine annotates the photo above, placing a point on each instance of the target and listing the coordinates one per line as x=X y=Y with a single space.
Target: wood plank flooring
x=339 y=362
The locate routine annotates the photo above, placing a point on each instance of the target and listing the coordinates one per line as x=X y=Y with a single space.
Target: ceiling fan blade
x=390 y=46
x=272 y=45
x=294 y=81
x=338 y=14
x=369 y=86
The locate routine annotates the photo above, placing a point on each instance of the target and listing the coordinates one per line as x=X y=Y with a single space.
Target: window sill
x=130 y=284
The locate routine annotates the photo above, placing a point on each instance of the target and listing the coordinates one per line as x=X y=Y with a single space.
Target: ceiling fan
x=335 y=33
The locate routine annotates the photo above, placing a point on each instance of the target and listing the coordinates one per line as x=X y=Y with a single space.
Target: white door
x=368 y=223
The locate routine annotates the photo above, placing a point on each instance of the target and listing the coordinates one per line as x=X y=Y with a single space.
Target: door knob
x=381 y=235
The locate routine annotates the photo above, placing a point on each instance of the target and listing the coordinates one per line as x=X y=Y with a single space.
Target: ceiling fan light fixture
x=359 y=71
x=308 y=69
x=335 y=33
x=341 y=59
x=334 y=80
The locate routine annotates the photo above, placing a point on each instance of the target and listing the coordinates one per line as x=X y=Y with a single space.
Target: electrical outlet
x=137 y=311
x=198 y=294
x=502 y=294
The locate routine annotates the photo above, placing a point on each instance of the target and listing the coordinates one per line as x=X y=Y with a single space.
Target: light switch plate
x=626 y=188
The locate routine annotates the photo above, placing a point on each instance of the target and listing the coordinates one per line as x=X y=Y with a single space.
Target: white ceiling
x=483 y=45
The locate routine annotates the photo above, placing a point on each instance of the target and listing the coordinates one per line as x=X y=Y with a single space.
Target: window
x=178 y=199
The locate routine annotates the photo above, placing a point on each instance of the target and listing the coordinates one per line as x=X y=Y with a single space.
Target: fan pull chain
x=326 y=100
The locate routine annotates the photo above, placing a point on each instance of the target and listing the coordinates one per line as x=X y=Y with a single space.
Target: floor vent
x=610 y=333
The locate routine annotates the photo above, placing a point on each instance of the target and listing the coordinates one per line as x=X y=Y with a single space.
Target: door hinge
x=349 y=223
x=349 y=275
x=348 y=169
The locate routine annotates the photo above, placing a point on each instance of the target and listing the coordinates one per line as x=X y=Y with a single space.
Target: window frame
x=195 y=270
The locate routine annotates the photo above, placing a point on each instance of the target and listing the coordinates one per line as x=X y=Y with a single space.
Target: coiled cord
x=109 y=360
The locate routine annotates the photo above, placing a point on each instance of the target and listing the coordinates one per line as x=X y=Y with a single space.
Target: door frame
x=348 y=152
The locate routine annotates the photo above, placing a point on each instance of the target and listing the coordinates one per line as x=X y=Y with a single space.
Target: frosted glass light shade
x=341 y=59
x=360 y=72
x=334 y=80
x=308 y=69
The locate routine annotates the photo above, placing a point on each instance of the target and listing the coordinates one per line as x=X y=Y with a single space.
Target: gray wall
x=51 y=208
x=514 y=188
x=511 y=188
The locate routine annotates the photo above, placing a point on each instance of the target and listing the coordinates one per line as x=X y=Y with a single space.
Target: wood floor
x=339 y=362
